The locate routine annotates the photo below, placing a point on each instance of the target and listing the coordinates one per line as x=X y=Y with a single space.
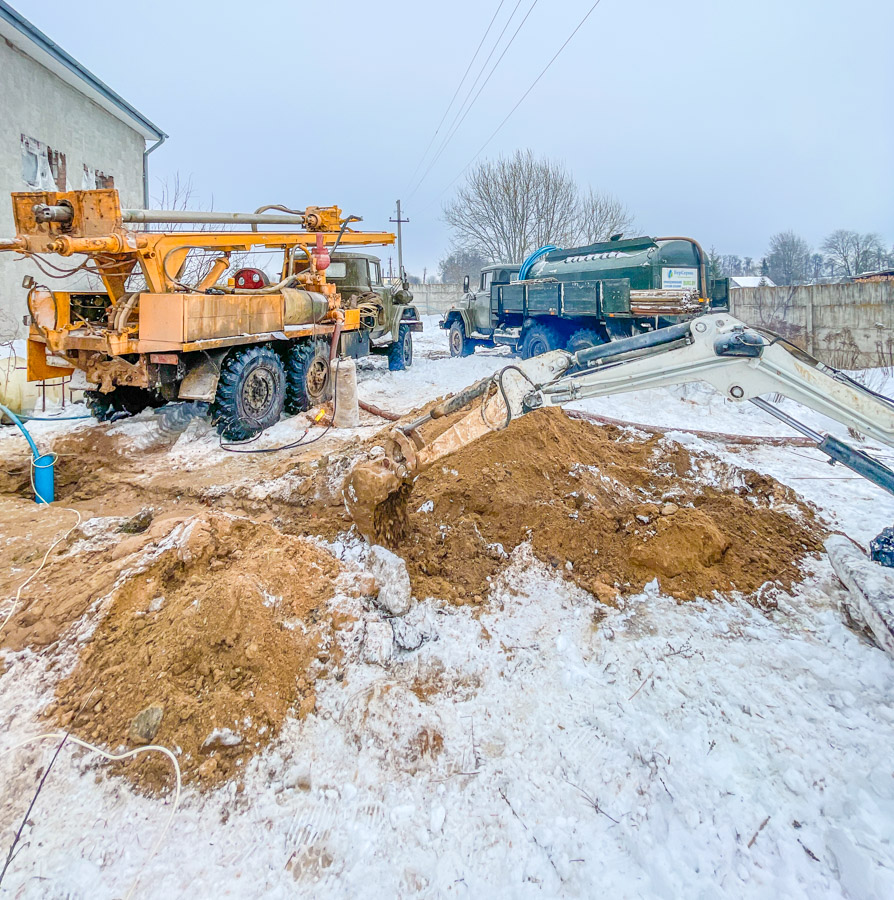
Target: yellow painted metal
x=168 y=316
x=39 y=369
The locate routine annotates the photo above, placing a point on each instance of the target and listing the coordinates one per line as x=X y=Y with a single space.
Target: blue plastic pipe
x=528 y=264
x=44 y=487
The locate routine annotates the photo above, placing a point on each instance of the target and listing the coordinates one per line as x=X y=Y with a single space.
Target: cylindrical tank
x=648 y=263
x=347 y=408
x=302 y=307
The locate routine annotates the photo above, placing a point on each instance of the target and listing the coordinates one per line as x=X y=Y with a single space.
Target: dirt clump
x=607 y=509
x=206 y=649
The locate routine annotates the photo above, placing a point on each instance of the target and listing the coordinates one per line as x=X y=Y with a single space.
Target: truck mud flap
x=201 y=379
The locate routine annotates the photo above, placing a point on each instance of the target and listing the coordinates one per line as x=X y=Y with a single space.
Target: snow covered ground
x=562 y=748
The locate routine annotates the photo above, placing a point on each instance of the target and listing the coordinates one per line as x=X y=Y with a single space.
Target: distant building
x=880 y=275
x=63 y=129
x=751 y=281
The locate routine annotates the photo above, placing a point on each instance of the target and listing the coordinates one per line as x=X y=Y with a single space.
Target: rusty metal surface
x=109 y=373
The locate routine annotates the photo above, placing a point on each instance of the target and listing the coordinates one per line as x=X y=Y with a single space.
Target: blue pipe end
x=44 y=478
x=528 y=264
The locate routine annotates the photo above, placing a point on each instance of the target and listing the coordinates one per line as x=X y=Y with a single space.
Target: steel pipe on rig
x=185 y=217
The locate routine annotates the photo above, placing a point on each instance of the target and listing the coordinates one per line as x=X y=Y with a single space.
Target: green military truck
x=388 y=317
x=584 y=296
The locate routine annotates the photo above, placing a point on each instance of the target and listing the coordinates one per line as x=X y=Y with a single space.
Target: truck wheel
x=308 y=378
x=250 y=393
x=540 y=339
x=584 y=338
x=459 y=344
x=400 y=353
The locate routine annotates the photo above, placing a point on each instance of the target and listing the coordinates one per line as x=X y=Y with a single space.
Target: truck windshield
x=337 y=270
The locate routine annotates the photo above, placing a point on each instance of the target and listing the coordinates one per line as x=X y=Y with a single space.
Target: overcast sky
x=723 y=120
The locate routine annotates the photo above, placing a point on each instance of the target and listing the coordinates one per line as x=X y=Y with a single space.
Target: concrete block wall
x=36 y=103
x=432 y=299
x=849 y=326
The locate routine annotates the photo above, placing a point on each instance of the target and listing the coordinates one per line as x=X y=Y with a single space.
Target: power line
x=521 y=100
x=463 y=110
x=483 y=86
x=456 y=92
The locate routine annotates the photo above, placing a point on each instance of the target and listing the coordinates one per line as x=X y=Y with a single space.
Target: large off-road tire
x=584 y=338
x=121 y=402
x=540 y=339
x=459 y=344
x=400 y=353
x=251 y=393
x=308 y=377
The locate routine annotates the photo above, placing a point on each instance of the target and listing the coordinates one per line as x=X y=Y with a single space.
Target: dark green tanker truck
x=583 y=296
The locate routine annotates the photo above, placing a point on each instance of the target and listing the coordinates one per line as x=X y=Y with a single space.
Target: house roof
x=34 y=43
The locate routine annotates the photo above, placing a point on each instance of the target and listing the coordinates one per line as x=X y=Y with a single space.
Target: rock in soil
x=145 y=724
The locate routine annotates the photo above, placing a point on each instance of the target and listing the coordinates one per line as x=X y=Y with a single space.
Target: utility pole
x=390 y=270
x=400 y=248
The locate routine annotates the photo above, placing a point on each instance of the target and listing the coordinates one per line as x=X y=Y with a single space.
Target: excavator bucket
x=367 y=492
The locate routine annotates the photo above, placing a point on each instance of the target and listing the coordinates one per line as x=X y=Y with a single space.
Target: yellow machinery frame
x=93 y=224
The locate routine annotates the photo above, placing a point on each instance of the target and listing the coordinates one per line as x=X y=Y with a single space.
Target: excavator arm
x=739 y=361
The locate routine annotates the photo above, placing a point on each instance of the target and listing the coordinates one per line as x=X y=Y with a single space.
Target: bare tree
x=459 y=263
x=730 y=265
x=180 y=194
x=509 y=207
x=788 y=258
x=600 y=216
x=851 y=253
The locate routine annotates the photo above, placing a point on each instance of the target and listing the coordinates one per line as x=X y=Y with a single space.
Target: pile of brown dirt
x=224 y=632
x=608 y=510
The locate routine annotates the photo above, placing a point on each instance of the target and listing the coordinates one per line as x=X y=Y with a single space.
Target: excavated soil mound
x=223 y=633
x=609 y=510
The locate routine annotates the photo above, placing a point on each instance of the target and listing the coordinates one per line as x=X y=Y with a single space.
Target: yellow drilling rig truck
x=161 y=329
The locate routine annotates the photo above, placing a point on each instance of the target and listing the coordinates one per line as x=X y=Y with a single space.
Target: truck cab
x=387 y=315
x=472 y=321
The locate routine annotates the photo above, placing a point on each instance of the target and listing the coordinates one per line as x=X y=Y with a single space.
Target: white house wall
x=49 y=113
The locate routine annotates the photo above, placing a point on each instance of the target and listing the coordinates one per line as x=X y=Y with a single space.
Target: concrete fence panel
x=849 y=326
x=432 y=299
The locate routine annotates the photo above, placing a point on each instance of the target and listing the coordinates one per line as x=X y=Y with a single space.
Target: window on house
x=42 y=168
x=57 y=168
x=94 y=179
x=29 y=167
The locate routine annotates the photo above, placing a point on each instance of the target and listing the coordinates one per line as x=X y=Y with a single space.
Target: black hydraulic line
x=638 y=342
x=858 y=461
x=838 y=451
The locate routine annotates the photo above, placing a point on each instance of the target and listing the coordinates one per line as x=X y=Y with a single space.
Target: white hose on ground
x=117 y=757
x=43 y=562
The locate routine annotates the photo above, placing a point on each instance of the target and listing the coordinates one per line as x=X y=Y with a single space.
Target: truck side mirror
x=465 y=284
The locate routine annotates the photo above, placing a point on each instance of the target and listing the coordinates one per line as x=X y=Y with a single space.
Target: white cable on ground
x=43 y=562
x=117 y=757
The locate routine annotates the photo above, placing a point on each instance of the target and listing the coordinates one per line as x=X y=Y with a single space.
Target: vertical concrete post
x=808 y=320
